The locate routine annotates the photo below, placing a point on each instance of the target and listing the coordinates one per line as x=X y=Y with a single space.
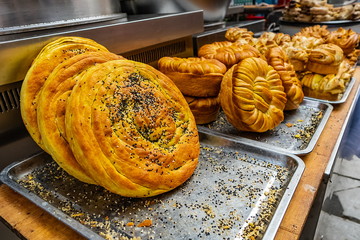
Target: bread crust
x=205 y=110
x=194 y=76
x=49 y=57
x=131 y=129
x=52 y=104
x=252 y=96
x=325 y=59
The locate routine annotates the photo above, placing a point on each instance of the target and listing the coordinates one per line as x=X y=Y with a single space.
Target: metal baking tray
x=344 y=96
x=297 y=134
x=237 y=191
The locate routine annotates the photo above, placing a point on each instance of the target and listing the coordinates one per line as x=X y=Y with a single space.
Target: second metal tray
x=237 y=192
x=297 y=134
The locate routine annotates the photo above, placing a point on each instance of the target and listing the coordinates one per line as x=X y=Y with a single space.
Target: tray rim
x=343 y=99
x=269 y=234
x=263 y=145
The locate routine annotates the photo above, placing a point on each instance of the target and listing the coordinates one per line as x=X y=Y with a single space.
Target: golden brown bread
x=316 y=31
x=252 y=96
x=325 y=59
x=194 y=76
x=227 y=52
x=327 y=87
x=51 y=108
x=205 y=110
x=50 y=56
x=131 y=129
x=236 y=34
x=277 y=58
x=346 y=39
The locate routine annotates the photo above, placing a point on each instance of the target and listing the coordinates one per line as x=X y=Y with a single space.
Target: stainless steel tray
x=344 y=96
x=237 y=190
x=297 y=134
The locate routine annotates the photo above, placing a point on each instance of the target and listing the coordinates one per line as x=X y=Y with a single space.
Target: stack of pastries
x=107 y=120
x=319 y=11
x=265 y=76
x=323 y=60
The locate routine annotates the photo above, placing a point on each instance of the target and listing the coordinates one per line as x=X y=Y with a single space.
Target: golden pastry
x=277 y=58
x=194 y=76
x=325 y=59
x=346 y=39
x=205 y=110
x=327 y=87
x=227 y=52
x=49 y=57
x=252 y=96
x=131 y=129
x=51 y=108
x=241 y=35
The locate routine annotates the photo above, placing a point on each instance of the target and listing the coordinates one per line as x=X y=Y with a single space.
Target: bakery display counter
x=31 y=222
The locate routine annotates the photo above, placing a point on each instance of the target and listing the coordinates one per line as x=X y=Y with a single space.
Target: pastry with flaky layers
x=194 y=76
x=241 y=35
x=327 y=87
x=227 y=52
x=277 y=58
x=252 y=96
x=346 y=39
x=131 y=129
x=205 y=110
x=52 y=104
x=49 y=57
x=325 y=59
x=316 y=31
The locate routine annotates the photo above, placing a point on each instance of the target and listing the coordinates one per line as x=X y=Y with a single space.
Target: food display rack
x=32 y=222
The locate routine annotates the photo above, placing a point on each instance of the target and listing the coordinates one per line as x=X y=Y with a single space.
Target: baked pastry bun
x=131 y=129
x=277 y=58
x=326 y=87
x=316 y=31
x=194 y=76
x=49 y=57
x=241 y=35
x=346 y=39
x=227 y=52
x=52 y=104
x=205 y=110
x=252 y=96
x=325 y=59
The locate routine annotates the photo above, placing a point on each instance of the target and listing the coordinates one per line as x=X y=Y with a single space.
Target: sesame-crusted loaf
x=51 y=108
x=194 y=76
x=50 y=56
x=131 y=129
x=252 y=96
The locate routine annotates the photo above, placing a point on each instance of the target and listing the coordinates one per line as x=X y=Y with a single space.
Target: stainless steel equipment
x=214 y=10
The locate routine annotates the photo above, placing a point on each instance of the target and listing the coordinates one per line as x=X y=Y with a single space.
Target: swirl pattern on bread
x=131 y=129
x=252 y=96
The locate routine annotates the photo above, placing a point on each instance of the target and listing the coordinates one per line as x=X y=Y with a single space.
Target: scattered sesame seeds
x=215 y=203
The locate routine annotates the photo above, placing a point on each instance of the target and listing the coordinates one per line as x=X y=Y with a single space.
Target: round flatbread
x=52 y=104
x=131 y=129
x=49 y=57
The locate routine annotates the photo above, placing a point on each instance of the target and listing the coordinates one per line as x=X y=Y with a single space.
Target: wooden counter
x=31 y=222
